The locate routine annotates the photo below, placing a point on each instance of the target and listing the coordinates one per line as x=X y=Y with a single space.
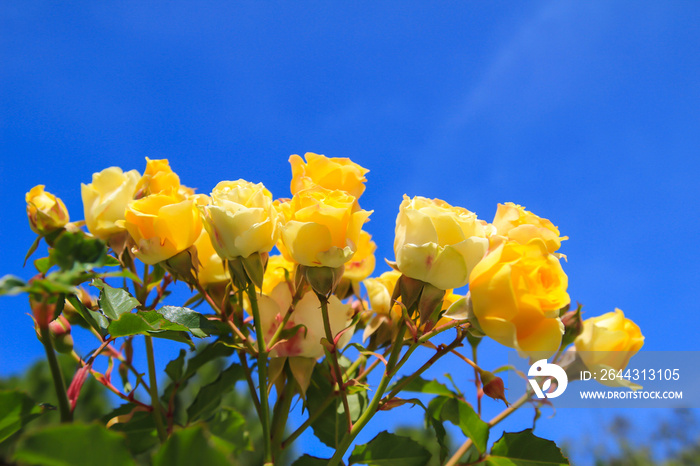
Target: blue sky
x=586 y=113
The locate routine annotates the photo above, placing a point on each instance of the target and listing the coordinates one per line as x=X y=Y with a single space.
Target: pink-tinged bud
x=60 y=334
x=493 y=386
x=42 y=310
x=573 y=326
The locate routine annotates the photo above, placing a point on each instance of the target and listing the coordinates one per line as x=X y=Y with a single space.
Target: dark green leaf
x=111 y=261
x=75 y=251
x=462 y=415
x=93 y=318
x=330 y=426
x=187 y=447
x=525 y=449
x=229 y=430
x=199 y=325
x=114 y=301
x=175 y=368
x=426 y=386
x=308 y=460
x=390 y=450
x=209 y=397
x=16 y=410
x=73 y=445
x=138 y=427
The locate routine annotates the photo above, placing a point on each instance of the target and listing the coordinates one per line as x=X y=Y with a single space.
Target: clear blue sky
x=586 y=113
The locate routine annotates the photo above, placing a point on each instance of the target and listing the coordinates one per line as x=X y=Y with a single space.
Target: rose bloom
x=306 y=312
x=162 y=225
x=517 y=224
x=438 y=243
x=322 y=227
x=158 y=178
x=211 y=268
x=363 y=261
x=106 y=198
x=517 y=291
x=241 y=219
x=46 y=212
x=608 y=342
x=331 y=173
x=276 y=272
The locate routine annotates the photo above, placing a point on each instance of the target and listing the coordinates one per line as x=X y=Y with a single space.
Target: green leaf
x=16 y=410
x=463 y=416
x=176 y=367
x=525 y=449
x=331 y=425
x=138 y=427
x=390 y=450
x=209 y=397
x=95 y=319
x=43 y=265
x=114 y=301
x=111 y=261
x=187 y=447
x=308 y=460
x=75 y=251
x=11 y=285
x=421 y=385
x=73 y=445
x=229 y=430
x=32 y=248
x=197 y=324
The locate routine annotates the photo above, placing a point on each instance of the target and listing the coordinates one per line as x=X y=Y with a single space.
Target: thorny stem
x=338 y=377
x=58 y=381
x=262 y=373
x=155 y=401
x=362 y=421
x=498 y=418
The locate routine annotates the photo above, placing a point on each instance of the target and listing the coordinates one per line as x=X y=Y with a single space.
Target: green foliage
x=461 y=414
x=16 y=410
x=525 y=449
x=187 y=447
x=390 y=450
x=73 y=445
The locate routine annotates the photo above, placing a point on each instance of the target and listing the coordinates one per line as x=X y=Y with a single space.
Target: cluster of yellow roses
x=517 y=286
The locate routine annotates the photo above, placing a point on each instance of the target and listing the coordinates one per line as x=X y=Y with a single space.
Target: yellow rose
x=331 y=173
x=517 y=291
x=516 y=223
x=382 y=310
x=46 y=212
x=379 y=291
x=158 y=178
x=307 y=312
x=437 y=243
x=322 y=227
x=608 y=342
x=106 y=198
x=211 y=267
x=162 y=225
x=276 y=272
x=241 y=219
x=363 y=261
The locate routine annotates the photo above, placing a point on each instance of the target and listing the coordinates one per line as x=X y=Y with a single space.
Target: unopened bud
x=493 y=386
x=46 y=212
x=573 y=326
x=42 y=309
x=60 y=335
x=323 y=280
